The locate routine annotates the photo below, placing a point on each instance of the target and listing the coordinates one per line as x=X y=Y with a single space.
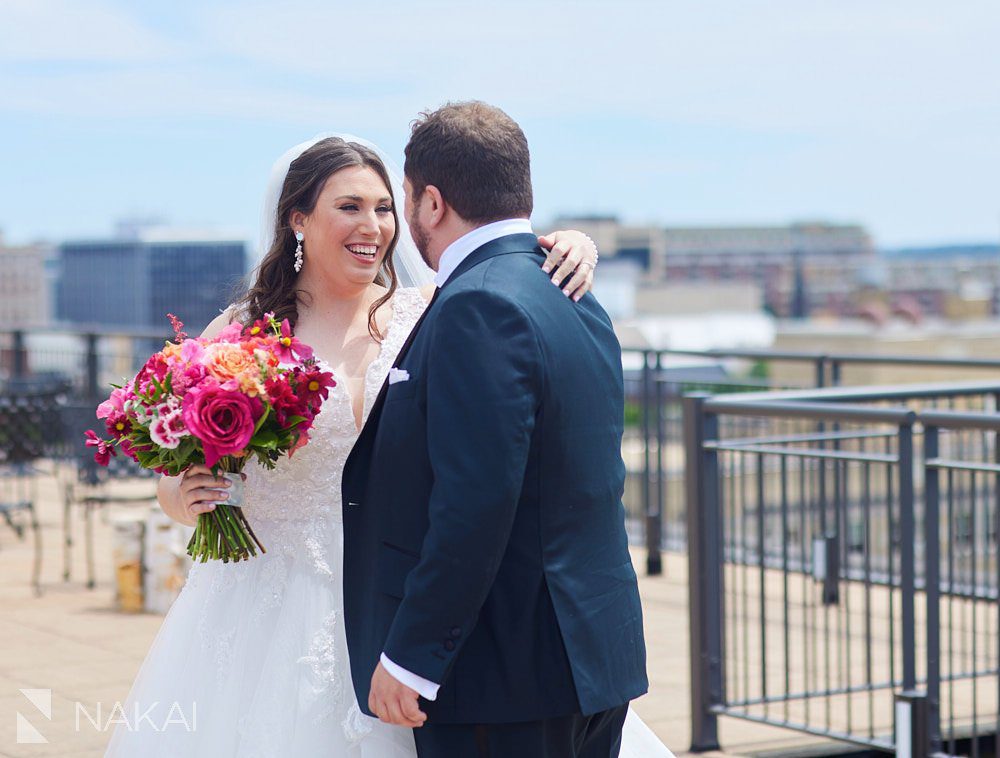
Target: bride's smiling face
x=349 y=231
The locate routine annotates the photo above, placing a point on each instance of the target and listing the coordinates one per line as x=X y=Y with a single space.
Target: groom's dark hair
x=477 y=156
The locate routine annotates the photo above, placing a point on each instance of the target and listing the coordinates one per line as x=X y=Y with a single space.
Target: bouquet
x=252 y=392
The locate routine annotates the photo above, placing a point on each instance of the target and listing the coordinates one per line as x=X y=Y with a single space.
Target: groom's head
x=467 y=164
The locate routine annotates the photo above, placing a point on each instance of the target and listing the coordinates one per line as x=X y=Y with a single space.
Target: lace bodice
x=295 y=509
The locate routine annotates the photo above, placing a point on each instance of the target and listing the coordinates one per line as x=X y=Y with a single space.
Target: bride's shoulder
x=229 y=314
x=411 y=298
x=408 y=303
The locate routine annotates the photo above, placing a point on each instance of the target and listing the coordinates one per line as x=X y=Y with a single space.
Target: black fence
x=656 y=385
x=843 y=565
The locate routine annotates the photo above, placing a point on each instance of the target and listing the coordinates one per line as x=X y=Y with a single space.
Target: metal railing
x=654 y=440
x=843 y=564
x=85 y=359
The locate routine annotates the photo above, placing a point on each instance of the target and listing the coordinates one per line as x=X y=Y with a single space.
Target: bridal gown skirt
x=255 y=658
x=251 y=662
x=638 y=740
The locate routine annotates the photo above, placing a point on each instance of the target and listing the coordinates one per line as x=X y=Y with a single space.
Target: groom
x=487 y=579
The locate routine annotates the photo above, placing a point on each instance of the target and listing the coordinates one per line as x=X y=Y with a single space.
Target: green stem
x=224 y=533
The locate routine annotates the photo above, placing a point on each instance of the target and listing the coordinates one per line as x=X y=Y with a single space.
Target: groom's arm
x=484 y=381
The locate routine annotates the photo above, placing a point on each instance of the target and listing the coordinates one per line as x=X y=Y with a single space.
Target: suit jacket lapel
x=376 y=409
x=512 y=243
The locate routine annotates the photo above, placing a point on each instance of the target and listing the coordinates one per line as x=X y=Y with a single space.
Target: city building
x=722 y=252
x=135 y=280
x=24 y=290
x=779 y=260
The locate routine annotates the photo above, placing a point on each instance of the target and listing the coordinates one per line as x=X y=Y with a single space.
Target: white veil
x=410 y=266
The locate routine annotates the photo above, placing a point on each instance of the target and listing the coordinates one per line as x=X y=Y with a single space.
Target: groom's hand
x=393 y=702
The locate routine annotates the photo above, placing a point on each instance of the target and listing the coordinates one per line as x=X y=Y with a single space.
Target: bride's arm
x=183 y=498
x=571 y=253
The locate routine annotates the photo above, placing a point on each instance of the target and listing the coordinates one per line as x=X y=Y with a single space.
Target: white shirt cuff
x=426 y=688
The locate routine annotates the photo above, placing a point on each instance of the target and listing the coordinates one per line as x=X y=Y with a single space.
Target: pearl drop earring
x=299 y=236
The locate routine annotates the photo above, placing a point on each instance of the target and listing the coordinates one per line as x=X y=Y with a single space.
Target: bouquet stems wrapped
x=224 y=533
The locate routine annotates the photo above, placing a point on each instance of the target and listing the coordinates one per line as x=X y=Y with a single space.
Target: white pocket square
x=397 y=375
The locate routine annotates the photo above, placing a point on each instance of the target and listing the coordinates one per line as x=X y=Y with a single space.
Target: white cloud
x=851 y=107
x=74 y=30
x=785 y=67
x=787 y=64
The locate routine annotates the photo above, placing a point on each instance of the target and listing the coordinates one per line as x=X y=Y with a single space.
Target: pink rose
x=223 y=420
x=114 y=404
x=230 y=333
x=192 y=351
x=186 y=378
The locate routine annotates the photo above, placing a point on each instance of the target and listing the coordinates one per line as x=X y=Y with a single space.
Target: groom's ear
x=437 y=208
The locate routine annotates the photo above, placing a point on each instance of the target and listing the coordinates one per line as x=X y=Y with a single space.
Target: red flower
x=301 y=440
x=104 y=450
x=313 y=385
x=118 y=426
x=128 y=449
x=284 y=401
x=156 y=367
x=257 y=329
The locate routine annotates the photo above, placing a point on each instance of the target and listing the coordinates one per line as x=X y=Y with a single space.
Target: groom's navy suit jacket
x=484 y=542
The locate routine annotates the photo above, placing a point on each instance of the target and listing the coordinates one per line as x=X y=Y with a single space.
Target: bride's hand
x=195 y=492
x=571 y=254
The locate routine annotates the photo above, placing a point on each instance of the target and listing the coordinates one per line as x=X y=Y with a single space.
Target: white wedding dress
x=256 y=651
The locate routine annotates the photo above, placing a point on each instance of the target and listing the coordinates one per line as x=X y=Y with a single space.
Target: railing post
x=820 y=372
x=911 y=725
x=91 y=388
x=705 y=582
x=835 y=372
x=932 y=574
x=20 y=356
x=654 y=560
x=650 y=521
x=907 y=563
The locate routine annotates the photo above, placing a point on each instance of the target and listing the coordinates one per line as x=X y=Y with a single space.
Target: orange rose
x=171 y=350
x=227 y=361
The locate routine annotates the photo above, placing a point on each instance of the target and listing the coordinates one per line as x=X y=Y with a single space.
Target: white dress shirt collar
x=460 y=249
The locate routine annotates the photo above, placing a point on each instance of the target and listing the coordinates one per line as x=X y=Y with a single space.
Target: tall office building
x=137 y=281
x=24 y=291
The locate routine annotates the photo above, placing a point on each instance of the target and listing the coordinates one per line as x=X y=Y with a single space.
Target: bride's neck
x=342 y=305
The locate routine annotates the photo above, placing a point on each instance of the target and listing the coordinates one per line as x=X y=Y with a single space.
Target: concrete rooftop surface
x=72 y=641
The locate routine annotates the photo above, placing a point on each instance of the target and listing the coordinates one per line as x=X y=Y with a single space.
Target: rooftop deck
x=72 y=641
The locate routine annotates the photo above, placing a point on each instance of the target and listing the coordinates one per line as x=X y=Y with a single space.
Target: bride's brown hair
x=275 y=289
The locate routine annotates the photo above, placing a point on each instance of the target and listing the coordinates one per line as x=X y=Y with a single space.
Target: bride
x=254 y=653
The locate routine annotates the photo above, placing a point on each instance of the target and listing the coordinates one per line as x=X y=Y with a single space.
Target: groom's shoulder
x=506 y=274
x=508 y=282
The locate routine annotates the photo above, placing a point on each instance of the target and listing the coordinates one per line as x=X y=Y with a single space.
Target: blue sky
x=696 y=112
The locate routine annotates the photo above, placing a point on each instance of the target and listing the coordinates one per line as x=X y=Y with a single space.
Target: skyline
x=882 y=114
